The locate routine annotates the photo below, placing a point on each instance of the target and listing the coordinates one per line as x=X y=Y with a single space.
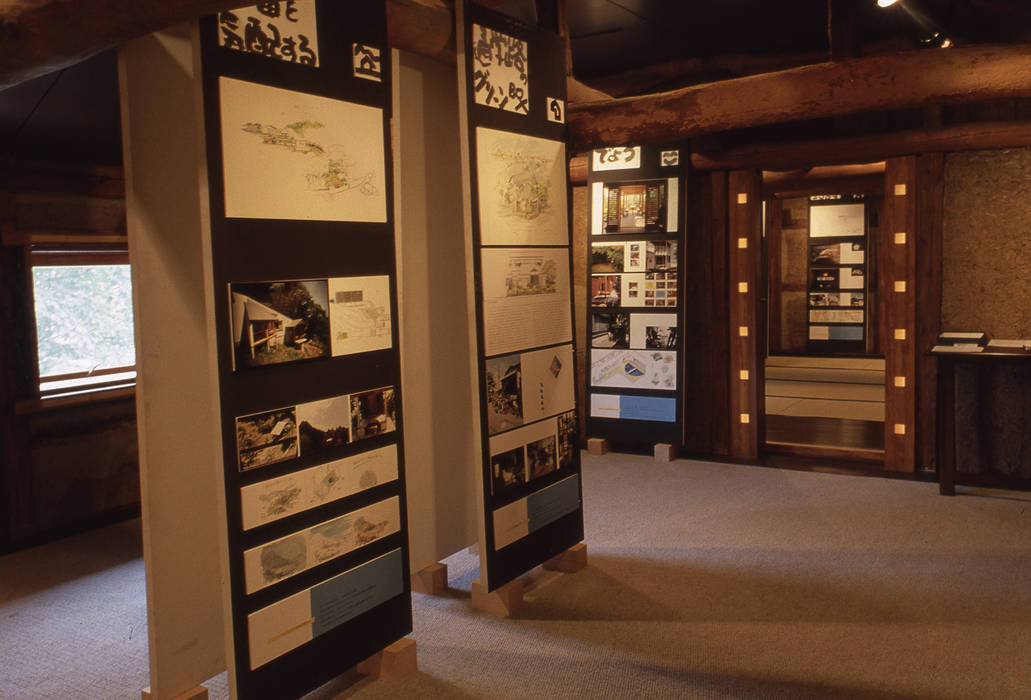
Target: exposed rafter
x=902 y=80
x=40 y=36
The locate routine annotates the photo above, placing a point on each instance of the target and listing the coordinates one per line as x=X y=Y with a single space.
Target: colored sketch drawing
x=359 y=314
x=272 y=499
x=531 y=274
x=638 y=369
x=290 y=555
x=522 y=189
x=290 y=155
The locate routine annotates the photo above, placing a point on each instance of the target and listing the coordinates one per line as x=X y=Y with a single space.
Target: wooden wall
x=986 y=253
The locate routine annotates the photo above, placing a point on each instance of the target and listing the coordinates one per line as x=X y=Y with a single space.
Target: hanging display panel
x=512 y=88
x=837 y=262
x=635 y=373
x=304 y=282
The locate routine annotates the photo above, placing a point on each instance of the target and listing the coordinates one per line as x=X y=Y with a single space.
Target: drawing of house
x=256 y=325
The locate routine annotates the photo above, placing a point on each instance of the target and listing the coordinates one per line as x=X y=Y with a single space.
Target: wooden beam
x=40 y=36
x=967 y=137
x=902 y=80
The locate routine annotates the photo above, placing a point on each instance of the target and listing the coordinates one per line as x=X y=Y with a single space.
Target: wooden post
x=930 y=197
x=569 y=561
x=501 y=602
x=746 y=375
x=396 y=661
x=898 y=292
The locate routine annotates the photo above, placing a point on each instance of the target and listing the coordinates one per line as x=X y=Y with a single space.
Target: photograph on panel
x=607 y=258
x=541 y=456
x=508 y=470
x=610 y=330
x=653 y=331
x=266 y=438
x=504 y=393
x=291 y=155
x=605 y=291
x=373 y=413
x=324 y=425
x=568 y=440
x=359 y=314
x=279 y=322
x=522 y=189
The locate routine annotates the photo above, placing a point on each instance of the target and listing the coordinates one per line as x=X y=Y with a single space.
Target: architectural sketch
x=291 y=155
x=522 y=189
x=359 y=314
x=640 y=369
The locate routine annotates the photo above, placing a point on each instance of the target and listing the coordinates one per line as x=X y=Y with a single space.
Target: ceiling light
x=886 y=3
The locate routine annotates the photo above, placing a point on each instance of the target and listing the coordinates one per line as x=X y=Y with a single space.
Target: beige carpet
x=705 y=581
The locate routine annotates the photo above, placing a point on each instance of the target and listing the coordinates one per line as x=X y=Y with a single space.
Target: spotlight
x=886 y=3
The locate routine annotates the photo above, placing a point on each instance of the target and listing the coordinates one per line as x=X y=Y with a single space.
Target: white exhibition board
x=176 y=392
x=435 y=324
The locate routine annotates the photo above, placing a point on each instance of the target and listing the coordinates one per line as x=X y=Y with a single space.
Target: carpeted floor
x=705 y=581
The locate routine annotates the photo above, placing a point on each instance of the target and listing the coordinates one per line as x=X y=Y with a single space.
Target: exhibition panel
x=635 y=295
x=512 y=91
x=297 y=105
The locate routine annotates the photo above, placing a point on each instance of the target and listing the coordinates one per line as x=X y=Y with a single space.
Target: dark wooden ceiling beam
x=40 y=36
x=902 y=80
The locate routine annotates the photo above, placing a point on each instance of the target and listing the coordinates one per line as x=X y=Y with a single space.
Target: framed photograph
x=266 y=438
x=373 y=413
x=610 y=330
x=279 y=322
x=605 y=291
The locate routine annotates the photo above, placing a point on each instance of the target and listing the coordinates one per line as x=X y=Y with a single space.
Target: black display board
x=635 y=286
x=512 y=85
x=836 y=300
x=297 y=104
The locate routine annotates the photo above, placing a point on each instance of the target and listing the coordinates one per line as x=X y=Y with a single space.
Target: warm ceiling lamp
x=886 y=3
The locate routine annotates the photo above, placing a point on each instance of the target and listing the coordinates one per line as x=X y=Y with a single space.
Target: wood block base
x=198 y=693
x=501 y=602
x=431 y=580
x=665 y=452
x=569 y=561
x=396 y=661
x=597 y=446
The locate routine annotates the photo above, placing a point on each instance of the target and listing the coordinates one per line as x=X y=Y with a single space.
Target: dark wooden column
x=930 y=179
x=898 y=294
x=743 y=289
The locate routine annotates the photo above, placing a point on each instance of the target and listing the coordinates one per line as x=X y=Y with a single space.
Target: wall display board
x=837 y=264
x=512 y=90
x=297 y=104
x=635 y=311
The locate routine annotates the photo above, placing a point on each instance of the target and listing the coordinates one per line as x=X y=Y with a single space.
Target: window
x=82 y=301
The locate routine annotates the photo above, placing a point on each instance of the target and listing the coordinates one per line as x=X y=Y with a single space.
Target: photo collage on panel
x=634 y=293
x=525 y=290
x=312 y=169
x=836 y=297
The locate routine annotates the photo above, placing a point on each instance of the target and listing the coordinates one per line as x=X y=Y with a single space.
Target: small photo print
x=541 y=456
x=660 y=337
x=504 y=393
x=605 y=291
x=324 y=425
x=508 y=470
x=610 y=330
x=373 y=413
x=608 y=258
x=279 y=322
x=568 y=444
x=266 y=438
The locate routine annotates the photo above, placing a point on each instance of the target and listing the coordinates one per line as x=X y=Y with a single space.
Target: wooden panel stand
x=198 y=693
x=569 y=561
x=597 y=446
x=665 y=452
x=396 y=661
x=501 y=602
x=431 y=580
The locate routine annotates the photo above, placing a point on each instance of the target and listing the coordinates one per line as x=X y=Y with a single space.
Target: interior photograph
x=515 y=349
